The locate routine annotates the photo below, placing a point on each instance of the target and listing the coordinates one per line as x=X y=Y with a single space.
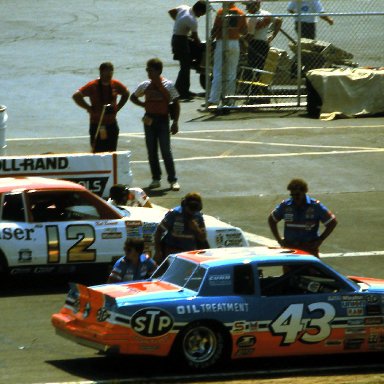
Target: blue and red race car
x=203 y=307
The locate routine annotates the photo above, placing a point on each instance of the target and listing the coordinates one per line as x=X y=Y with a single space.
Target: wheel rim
x=199 y=344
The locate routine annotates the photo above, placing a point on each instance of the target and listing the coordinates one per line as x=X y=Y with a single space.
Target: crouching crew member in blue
x=134 y=265
x=302 y=216
x=182 y=229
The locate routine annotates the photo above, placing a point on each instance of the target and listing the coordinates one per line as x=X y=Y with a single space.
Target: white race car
x=57 y=226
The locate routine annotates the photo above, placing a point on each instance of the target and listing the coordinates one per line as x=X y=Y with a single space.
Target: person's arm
x=123 y=100
x=195 y=38
x=198 y=229
x=275 y=231
x=173 y=13
x=158 y=256
x=137 y=101
x=80 y=101
x=277 y=22
x=328 y=230
x=328 y=19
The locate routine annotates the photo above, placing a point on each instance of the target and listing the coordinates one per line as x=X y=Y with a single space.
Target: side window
x=13 y=208
x=243 y=281
x=297 y=279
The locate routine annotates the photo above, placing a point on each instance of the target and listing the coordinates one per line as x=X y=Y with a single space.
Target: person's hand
x=174 y=128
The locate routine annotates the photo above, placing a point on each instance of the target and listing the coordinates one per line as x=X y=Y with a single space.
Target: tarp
x=348 y=92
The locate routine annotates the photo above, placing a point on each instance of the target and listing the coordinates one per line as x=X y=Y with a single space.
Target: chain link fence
x=349 y=33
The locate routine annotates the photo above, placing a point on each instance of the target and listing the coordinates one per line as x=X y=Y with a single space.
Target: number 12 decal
x=294 y=327
x=79 y=251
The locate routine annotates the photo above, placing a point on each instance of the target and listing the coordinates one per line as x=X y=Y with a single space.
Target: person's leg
x=165 y=148
x=232 y=62
x=180 y=46
x=151 y=139
x=113 y=137
x=215 y=93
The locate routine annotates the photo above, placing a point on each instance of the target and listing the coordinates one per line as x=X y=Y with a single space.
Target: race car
x=206 y=307
x=56 y=226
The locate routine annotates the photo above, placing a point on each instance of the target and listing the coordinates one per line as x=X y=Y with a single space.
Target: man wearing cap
x=185 y=37
x=302 y=216
x=120 y=195
x=182 y=229
x=262 y=29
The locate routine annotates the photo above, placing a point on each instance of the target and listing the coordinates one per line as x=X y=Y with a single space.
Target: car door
x=303 y=309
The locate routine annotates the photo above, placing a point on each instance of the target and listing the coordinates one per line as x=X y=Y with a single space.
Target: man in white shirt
x=120 y=196
x=308 y=22
x=184 y=35
x=262 y=29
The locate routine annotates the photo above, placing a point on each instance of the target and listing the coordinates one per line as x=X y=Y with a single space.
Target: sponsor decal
x=111 y=235
x=353 y=343
x=151 y=322
x=8 y=233
x=212 y=308
x=25 y=255
x=374 y=320
x=355 y=311
x=246 y=341
x=33 y=164
x=94 y=184
x=218 y=280
x=353 y=304
x=102 y=314
x=373 y=309
x=245 y=351
x=332 y=343
x=244 y=326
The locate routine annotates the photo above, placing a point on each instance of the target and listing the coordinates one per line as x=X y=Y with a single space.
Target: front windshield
x=180 y=272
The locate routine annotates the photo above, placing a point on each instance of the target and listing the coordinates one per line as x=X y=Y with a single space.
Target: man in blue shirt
x=182 y=229
x=302 y=216
x=134 y=265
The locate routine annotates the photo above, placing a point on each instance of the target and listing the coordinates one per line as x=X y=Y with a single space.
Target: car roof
x=245 y=255
x=9 y=184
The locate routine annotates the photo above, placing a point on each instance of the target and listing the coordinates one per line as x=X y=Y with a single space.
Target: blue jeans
x=158 y=134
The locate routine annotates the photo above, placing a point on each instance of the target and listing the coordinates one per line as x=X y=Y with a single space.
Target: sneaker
x=154 y=184
x=175 y=186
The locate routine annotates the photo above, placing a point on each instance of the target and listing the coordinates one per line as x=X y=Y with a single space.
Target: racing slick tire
x=202 y=345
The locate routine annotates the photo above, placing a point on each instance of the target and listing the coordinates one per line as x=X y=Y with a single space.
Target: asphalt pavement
x=241 y=163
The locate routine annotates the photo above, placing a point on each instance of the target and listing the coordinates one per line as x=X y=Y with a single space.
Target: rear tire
x=201 y=345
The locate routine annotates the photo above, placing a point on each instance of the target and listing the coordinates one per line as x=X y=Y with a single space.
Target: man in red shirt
x=103 y=93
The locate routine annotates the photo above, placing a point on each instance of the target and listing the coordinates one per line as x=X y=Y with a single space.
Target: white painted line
x=270 y=155
x=267 y=242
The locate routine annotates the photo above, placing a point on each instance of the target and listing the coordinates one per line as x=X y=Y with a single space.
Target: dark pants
x=257 y=53
x=308 y=30
x=182 y=52
x=157 y=134
x=107 y=145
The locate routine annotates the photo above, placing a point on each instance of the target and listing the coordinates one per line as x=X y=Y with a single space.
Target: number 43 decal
x=292 y=325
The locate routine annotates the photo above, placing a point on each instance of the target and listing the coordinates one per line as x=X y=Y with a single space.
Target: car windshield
x=181 y=272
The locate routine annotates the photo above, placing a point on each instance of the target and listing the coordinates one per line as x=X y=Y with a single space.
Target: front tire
x=202 y=345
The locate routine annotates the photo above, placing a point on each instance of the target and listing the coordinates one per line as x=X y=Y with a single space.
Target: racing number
x=79 y=251
x=292 y=326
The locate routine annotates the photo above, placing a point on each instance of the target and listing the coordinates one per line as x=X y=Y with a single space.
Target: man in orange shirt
x=236 y=26
x=101 y=92
x=159 y=94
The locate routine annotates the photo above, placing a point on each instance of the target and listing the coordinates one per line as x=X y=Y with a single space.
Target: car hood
x=369 y=283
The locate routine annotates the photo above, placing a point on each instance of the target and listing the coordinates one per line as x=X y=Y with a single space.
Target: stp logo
x=151 y=322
